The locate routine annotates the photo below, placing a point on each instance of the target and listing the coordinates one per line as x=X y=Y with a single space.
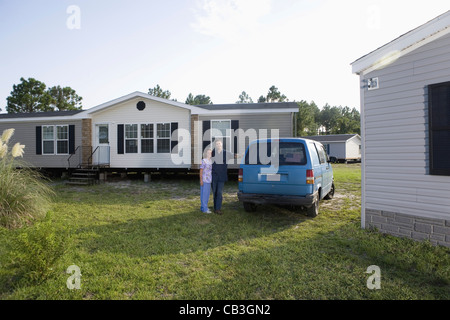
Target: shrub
x=37 y=248
x=24 y=195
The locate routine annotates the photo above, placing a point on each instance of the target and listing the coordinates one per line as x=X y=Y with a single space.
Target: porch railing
x=100 y=156
x=84 y=156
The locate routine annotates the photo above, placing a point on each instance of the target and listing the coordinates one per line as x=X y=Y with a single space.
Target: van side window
x=314 y=154
x=322 y=154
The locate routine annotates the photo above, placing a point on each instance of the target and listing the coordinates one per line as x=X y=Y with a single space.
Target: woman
x=205 y=181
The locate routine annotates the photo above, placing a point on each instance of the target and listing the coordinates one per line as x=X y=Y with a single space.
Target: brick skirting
x=437 y=231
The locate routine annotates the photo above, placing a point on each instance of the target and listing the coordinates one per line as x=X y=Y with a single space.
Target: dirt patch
x=341 y=200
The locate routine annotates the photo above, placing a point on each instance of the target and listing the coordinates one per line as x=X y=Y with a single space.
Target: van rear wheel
x=249 y=207
x=313 y=211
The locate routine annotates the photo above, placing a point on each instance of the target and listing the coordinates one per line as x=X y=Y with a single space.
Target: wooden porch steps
x=84 y=176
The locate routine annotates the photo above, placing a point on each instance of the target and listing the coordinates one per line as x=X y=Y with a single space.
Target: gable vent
x=140 y=105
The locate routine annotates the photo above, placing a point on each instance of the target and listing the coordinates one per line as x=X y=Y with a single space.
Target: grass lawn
x=136 y=240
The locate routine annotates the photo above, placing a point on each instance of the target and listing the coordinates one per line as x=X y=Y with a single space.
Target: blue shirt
x=220 y=166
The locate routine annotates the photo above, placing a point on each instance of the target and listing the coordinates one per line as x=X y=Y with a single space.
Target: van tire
x=330 y=194
x=249 y=207
x=313 y=211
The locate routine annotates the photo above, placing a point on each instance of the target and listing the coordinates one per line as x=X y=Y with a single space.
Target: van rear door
x=323 y=174
x=276 y=168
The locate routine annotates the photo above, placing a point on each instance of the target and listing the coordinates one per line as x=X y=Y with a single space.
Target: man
x=220 y=158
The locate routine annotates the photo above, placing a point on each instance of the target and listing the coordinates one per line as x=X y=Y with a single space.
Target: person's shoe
x=218 y=211
x=209 y=211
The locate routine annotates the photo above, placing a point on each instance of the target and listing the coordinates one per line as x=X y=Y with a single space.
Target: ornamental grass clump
x=24 y=195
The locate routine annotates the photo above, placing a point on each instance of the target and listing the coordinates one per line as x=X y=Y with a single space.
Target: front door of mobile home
x=101 y=147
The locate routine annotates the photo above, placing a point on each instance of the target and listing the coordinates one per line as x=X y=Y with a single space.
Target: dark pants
x=217 y=189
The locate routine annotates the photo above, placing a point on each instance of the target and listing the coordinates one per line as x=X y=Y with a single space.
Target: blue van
x=285 y=171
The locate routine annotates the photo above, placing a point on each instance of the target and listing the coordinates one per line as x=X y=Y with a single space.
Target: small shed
x=405 y=129
x=341 y=147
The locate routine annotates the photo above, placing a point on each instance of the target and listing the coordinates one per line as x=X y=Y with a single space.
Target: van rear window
x=289 y=153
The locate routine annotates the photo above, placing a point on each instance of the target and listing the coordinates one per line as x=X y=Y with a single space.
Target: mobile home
x=142 y=132
x=341 y=147
x=405 y=126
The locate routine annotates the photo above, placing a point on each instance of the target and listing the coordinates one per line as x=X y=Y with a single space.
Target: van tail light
x=309 y=176
x=241 y=174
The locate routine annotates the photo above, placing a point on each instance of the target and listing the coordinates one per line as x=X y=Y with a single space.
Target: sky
x=219 y=48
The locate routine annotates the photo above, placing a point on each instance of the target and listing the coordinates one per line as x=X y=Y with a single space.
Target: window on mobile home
x=55 y=139
x=62 y=139
x=439 y=128
x=221 y=129
x=147 y=138
x=163 y=137
x=48 y=140
x=131 y=138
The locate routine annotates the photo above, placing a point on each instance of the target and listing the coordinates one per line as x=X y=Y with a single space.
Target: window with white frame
x=221 y=129
x=55 y=139
x=48 y=139
x=131 y=138
x=62 y=139
x=147 y=139
x=163 y=137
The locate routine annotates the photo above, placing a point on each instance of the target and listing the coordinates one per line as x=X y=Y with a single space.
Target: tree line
x=32 y=95
x=309 y=121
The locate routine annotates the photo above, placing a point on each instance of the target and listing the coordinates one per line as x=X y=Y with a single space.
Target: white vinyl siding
x=353 y=148
x=396 y=139
x=154 y=113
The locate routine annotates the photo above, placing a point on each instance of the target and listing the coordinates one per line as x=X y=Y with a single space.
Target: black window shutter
x=38 y=140
x=174 y=140
x=439 y=127
x=234 y=127
x=120 y=138
x=206 y=127
x=71 y=139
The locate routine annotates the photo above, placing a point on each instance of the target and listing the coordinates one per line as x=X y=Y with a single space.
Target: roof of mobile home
x=403 y=45
x=199 y=109
x=333 y=137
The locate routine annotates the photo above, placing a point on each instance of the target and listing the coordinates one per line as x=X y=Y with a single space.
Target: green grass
x=133 y=240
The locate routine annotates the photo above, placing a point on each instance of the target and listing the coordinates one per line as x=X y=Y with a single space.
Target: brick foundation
x=437 y=231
